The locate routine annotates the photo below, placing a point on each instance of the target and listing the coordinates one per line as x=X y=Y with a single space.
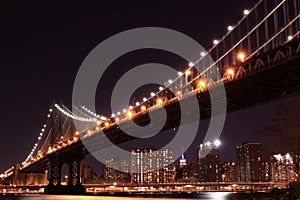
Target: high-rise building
x=187 y=172
x=229 y=172
x=117 y=169
x=284 y=168
x=249 y=164
x=152 y=166
x=209 y=162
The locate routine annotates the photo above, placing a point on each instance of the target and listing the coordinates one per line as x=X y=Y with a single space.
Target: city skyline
x=51 y=59
x=142 y=99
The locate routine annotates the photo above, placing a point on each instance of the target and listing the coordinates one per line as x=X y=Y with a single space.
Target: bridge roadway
x=274 y=80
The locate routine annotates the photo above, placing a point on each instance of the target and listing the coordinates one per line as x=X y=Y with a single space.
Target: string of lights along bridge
x=241 y=52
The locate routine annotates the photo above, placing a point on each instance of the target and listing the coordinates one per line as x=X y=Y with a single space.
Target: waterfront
x=200 y=196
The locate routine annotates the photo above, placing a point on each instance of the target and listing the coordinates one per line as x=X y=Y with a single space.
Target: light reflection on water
x=201 y=196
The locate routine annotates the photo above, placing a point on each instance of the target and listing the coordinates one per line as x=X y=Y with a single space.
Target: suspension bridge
x=257 y=61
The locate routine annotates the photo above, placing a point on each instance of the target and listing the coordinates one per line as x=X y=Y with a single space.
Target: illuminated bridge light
x=230 y=73
x=241 y=56
x=143 y=108
x=191 y=64
x=246 y=12
x=144 y=99
x=129 y=114
x=290 y=38
x=137 y=103
x=161 y=88
x=201 y=85
x=152 y=94
x=159 y=101
x=170 y=81
x=187 y=72
x=180 y=73
x=215 y=42
x=230 y=28
x=202 y=54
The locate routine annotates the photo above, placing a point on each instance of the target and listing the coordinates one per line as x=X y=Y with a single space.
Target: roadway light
x=118 y=113
x=113 y=115
x=241 y=56
x=106 y=124
x=180 y=73
x=216 y=42
x=137 y=103
x=152 y=94
x=201 y=85
x=230 y=71
x=143 y=108
x=159 y=101
x=290 y=38
x=187 y=72
x=129 y=114
x=161 y=88
x=130 y=107
x=229 y=28
x=246 y=12
x=144 y=99
x=124 y=110
x=191 y=64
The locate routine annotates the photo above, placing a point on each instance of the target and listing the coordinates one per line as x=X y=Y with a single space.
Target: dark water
x=202 y=196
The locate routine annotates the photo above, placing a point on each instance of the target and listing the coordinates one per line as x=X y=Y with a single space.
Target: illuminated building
x=209 y=162
x=249 y=165
x=151 y=166
x=229 y=172
x=284 y=168
x=116 y=169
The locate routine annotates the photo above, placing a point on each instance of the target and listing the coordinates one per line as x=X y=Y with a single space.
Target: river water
x=201 y=196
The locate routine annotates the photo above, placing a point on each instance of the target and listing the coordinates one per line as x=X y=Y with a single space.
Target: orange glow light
x=202 y=85
x=143 y=108
x=241 y=56
x=230 y=72
x=187 y=72
x=129 y=114
x=159 y=101
x=106 y=124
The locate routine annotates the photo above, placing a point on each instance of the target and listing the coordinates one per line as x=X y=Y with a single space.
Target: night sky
x=43 y=45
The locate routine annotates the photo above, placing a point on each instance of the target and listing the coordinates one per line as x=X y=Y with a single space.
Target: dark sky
x=42 y=46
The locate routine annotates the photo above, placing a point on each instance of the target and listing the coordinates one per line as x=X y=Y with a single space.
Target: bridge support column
x=74 y=172
x=55 y=173
x=74 y=183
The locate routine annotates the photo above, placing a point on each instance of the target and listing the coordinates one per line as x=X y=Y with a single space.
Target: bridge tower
x=62 y=129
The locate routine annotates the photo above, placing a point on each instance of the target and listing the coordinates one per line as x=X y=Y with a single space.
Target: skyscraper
x=249 y=164
x=152 y=166
x=284 y=168
x=117 y=169
x=209 y=162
